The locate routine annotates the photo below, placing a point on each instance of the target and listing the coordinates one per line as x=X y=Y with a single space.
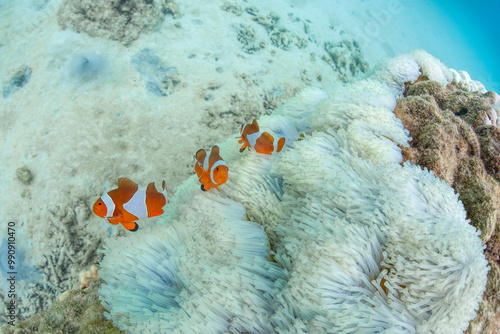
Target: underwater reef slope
x=360 y=242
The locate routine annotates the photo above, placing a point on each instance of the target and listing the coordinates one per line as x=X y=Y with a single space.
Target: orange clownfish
x=129 y=203
x=263 y=142
x=212 y=171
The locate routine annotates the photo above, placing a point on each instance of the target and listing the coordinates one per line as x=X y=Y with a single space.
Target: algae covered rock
x=455 y=134
x=451 y=137
x=488 y=318
x=489 y=137
x=80 y=311
x=117 y=20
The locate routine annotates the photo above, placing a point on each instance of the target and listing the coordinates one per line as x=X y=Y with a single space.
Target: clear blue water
x=479 y=23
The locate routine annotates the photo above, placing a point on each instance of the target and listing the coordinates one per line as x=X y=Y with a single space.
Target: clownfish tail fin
x=281 y=143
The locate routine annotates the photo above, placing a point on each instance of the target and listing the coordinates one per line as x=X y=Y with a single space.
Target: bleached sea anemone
x=361 y=243
x=206 y=273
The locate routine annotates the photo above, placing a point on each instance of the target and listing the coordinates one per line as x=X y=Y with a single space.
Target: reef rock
x=118 y=20
x=78 y=311
x=455 y=134
x=489 y=137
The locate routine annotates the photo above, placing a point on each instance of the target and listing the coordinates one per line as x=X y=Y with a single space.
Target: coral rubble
x=18 y=81
x=345 y=58
x=121 y=21
x=79 y=312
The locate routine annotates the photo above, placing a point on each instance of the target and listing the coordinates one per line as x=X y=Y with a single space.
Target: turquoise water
x=479 y=23
x=462 y=34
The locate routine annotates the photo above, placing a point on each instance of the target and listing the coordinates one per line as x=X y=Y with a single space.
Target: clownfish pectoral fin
x=123 y=182
x=131 y=226
x=243 y=147
x=113 y=222
x=281 y=143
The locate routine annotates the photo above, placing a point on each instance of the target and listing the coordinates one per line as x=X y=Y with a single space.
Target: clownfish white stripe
x=110 y=205
x=275 y=145
x=137 y=204
x=206 y=164
x=217 y=164
x=252 y=138
x=164 y=191
x=243 y=129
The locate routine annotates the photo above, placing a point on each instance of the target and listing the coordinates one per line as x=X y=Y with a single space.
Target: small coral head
x=100 y=209
x=221 y=174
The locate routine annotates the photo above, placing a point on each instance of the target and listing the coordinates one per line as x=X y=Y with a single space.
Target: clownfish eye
x=100 y=203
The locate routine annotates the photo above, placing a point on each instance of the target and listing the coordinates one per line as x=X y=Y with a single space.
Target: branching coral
x=362 y=243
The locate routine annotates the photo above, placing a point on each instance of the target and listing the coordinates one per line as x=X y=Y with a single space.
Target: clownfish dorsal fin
x=268 y=136
x=254 y=123
x=125 y=183
x=214 y=155
x=214 y=150
x=151 y=189
x=200 y=155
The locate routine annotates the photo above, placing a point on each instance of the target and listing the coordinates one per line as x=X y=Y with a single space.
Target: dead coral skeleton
x=88 y=276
